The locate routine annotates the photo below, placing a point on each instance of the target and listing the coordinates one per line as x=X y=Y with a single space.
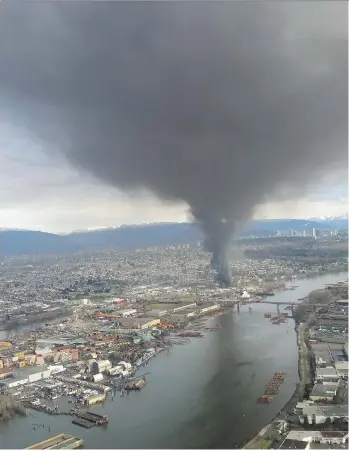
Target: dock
x=60 y=441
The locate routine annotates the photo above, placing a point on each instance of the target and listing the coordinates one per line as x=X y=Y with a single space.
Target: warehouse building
x=144 y=323
x=25 y=375
x=321 y=437
x=322 y=357
x=127 y=312
x=209 y=309
x=342 y=369
x=318 y=414
x=326 y=374
x=323 y=392
x=101 y=366
x=181 y=308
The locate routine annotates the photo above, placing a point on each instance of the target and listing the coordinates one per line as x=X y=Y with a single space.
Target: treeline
x=9 y=407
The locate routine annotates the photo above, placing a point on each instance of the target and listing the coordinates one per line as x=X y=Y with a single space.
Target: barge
x=97 y=419
x=135 y=385
x=58 y=442
x=83 y=422
x=272 y=388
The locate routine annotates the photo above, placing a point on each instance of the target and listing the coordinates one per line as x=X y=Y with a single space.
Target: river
x=202 y=395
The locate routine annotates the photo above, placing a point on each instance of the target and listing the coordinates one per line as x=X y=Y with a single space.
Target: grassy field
x=266 y=443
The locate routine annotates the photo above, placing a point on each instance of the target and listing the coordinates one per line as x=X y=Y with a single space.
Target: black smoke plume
x=219 y=104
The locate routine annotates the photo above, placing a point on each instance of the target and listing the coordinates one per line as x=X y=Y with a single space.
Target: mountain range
x=16 y=242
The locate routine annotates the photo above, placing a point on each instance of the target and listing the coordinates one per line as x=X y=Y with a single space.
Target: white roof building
x=324 y=437
x=326 y=373
x=321 y=412
x=127 y=312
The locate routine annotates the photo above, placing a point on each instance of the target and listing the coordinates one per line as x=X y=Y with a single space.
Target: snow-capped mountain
x=330 y=218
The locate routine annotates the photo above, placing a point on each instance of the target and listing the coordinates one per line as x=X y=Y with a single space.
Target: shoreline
x=301 y=330
x=290 y=404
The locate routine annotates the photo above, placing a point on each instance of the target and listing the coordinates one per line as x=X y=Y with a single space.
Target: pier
x=58 y=442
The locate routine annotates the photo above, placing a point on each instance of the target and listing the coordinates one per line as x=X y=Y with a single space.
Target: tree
x=328 y=421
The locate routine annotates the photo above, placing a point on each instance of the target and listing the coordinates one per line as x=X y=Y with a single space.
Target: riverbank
x=267 y=435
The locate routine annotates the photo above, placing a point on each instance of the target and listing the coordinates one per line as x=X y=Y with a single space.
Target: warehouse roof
x=326 y=371
x=342 y=365
x=325 y=390
x=326 y=410
x=23 y=373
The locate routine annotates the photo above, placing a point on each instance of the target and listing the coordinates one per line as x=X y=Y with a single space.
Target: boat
x=135 y=385
x=265 y=294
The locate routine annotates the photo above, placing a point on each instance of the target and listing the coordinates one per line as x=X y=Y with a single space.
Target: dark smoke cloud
x=217 y=104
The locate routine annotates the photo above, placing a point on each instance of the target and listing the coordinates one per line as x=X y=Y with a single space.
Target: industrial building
x=100 y=366
x=326 y=374
x=25 y=375
x=209 y=309
x=127 y=312
x=321 y=437
x=342 y=369
x=323 y=392
x=321 y=413
x=181 y=308
x=144 y=323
